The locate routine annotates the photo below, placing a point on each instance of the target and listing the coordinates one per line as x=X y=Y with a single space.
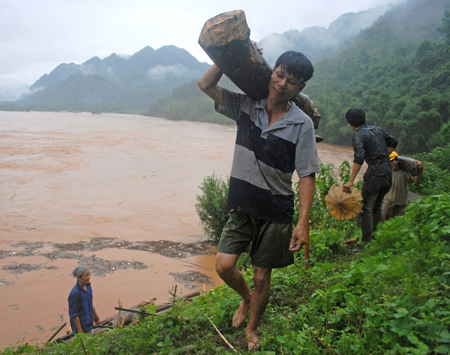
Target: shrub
x=212 y=205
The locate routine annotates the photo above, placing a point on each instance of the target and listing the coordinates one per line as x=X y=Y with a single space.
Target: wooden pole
x=59 y=329
x=144 y=313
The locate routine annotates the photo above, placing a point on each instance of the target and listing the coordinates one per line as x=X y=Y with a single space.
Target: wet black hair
x=296 y=64
x=355 y=117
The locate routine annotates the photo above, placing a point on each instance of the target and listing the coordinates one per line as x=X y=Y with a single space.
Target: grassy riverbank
x=392 y=298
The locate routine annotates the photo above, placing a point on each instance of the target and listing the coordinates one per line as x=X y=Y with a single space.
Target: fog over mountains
x=167 y=60
x=314 y=41
x=121 y=83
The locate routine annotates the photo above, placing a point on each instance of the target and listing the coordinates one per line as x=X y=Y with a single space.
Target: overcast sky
x=38 y=35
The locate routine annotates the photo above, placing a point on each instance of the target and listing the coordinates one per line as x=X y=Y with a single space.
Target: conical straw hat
x=343 y=204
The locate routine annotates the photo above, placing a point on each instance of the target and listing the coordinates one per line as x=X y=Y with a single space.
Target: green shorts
x=269 y=241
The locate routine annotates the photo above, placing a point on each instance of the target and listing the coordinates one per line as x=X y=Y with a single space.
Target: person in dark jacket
x=373 y=145
x=81 y=308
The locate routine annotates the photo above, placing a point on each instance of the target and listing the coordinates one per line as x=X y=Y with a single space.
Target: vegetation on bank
x=392 y=298
x=436 y=174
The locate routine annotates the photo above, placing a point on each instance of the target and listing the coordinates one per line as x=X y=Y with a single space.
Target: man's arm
x=96 y=317
x=417 y=178
x=355 y=170
x=300 y=234
x=76 y=321
x=208 y=84
x=391 y=142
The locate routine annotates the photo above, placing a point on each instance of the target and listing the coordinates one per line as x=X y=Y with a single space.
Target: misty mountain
x=115 y=83
x=397 y=71
x=313 y=41
x=146 y=62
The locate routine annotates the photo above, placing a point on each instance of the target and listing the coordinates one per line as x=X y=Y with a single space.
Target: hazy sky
x=38 y=35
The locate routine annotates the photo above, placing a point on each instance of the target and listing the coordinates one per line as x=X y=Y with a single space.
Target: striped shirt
x=265 y=158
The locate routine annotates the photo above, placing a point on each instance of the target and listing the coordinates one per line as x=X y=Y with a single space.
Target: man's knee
x=261 y=277
x=225 y=263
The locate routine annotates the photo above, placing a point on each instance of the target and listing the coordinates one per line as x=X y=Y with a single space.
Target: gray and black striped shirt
x=265 y=157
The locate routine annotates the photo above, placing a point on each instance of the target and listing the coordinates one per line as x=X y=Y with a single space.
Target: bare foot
x=241 y=314
x=252 y=339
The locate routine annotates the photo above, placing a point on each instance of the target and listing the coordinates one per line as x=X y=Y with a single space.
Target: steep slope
x=397 y=71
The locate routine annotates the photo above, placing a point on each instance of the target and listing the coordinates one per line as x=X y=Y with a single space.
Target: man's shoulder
x=297 y=115
x=234 y=103
x=75 y=292
x=369 y=131
x=231 y=95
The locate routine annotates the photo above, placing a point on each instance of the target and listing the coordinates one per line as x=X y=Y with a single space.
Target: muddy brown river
x=114 y=192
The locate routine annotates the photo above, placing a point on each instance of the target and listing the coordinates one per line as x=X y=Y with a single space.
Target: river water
x=95 y=188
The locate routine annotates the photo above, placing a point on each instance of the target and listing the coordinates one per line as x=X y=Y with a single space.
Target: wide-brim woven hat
x=343 y=205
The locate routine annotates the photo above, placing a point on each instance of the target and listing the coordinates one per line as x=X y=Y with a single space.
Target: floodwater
x=103 y=190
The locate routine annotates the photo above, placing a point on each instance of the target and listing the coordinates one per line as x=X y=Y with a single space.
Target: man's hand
x=420 y=165
x=300 y=236
x=259 y=49
x=96 y=317
x=355 y=170
x=417 y=178
x=347 y=187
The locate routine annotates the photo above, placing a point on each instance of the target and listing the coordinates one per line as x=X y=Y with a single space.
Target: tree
x=445 y=29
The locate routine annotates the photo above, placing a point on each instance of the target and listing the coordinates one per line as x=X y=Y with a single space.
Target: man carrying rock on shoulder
x=395 y=201
x=274 y=138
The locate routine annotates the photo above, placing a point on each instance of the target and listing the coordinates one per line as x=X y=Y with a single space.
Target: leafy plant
x=212 y=205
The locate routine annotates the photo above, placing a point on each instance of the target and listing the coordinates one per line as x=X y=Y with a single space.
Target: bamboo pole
x=59 y=329
x=224 y=339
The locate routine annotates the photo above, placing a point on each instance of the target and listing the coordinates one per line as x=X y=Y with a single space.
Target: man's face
x=394 y=163
x=284 y=86
x=85 y=279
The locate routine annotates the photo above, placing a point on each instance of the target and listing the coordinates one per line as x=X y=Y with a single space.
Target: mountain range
x=121 y=84
x=167 y=60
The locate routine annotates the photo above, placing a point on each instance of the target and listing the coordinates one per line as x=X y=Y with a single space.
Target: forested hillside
x=189 y=103
x=398 y=71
